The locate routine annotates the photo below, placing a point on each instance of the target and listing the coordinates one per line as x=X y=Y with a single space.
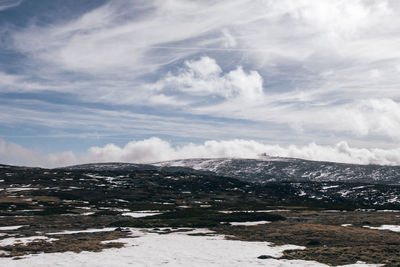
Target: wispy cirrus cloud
x=6 y=4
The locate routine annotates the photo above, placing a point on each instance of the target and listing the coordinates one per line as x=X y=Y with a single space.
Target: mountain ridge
x=263 y=170
x=275 y=169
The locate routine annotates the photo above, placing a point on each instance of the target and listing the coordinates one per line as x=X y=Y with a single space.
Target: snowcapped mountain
x=268 y=169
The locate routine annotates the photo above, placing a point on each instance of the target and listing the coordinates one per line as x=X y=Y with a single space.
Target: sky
x=151 y=80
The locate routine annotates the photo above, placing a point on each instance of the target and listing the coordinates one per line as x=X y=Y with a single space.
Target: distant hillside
x=101 y=185
x=124 y=167
x=290 y=169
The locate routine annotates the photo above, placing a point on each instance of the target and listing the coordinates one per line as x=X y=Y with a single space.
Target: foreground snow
x=174 y=249
x=140 y=214
x=394 y=228
x=23 y=240
x=7 y=228
x=248 y=223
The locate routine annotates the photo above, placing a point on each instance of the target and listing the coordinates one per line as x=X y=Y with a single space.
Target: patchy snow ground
x=394 y=228
x=24 y=240
x=15 y=227
x=249 y=211
x=16 y=189
x=109 y=229
x=140 y=214
x=248 y=223
x=174 y=249
x=329 y=187
x=388 y=210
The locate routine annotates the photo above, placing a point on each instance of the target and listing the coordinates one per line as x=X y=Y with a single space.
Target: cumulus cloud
x=136 y=151
x=204 y=77
x=155 y=149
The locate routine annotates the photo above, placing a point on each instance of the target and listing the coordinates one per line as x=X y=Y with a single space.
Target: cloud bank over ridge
x=155 y=149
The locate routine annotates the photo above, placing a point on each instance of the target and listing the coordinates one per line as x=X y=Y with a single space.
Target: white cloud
x=229 y=40
x=375 y=118
x=339 y=36
x=81 y=122
x=139 y=151
x=369 y=117
x=66 y=158
x=108 y=39
x=6 y=4
x=155 y=149
x=11 y=153
x=203 y=67
x=18 y=83
x=204 y=77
